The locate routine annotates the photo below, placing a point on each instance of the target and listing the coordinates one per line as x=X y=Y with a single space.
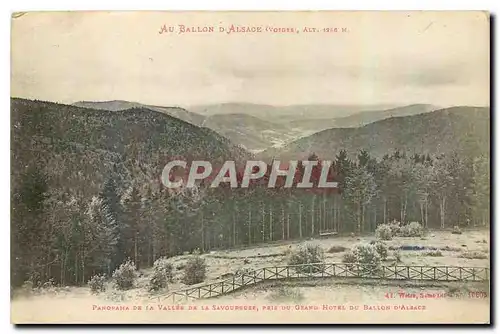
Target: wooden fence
x=328 y=270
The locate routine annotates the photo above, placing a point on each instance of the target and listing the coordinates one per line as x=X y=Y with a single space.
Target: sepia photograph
x=258 y=167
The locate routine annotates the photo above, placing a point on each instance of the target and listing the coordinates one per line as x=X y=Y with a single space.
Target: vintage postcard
x=250 y=167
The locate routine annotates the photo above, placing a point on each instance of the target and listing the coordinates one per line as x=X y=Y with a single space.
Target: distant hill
x=285 y=114
x=119 y=105
x=463 y=129
x=79 y=147
x=313 y=124
x=367 y=117
x=360 y=118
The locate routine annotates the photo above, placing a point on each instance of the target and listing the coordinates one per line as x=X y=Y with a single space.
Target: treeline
x=68 y=237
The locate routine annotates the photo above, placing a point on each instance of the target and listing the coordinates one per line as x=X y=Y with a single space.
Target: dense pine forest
x=86 y=193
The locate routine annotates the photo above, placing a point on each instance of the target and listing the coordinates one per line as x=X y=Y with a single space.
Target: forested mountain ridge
x=366 y=117
x=119 y=105
x=360 y=118
x=148 y=130
x=242 y=129
x=461 y=129
x=285 y=113
x=65 y=158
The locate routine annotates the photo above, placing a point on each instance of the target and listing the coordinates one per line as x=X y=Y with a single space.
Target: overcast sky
x=385 y=58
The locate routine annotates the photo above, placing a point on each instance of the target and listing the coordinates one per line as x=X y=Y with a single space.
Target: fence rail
x=329 y=270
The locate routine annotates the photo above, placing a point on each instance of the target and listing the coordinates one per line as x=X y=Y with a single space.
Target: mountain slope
x=367 y=117
x=360 y=118
x=463 y=129
x=79 y=148
x=249 y=131
x=119 y=105
x=242 y=129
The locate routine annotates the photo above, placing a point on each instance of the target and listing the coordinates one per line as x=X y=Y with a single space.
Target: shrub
x=162 y=272
x=194 y=271
x=395 y=227
x=125 y=275
x=97 y=283
x=383 y=232
x=434 y=253
x=336 y=249
x=381 y=249
x=34 y=281
x=366 y=254
x=397 y=256
x=49 y=284
x=307 y=254
x=349 y=257
x=165 y=267
x=28 y=286
x=456 y=230
x=157 y=281
x=413 y=229
x=474 y=255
